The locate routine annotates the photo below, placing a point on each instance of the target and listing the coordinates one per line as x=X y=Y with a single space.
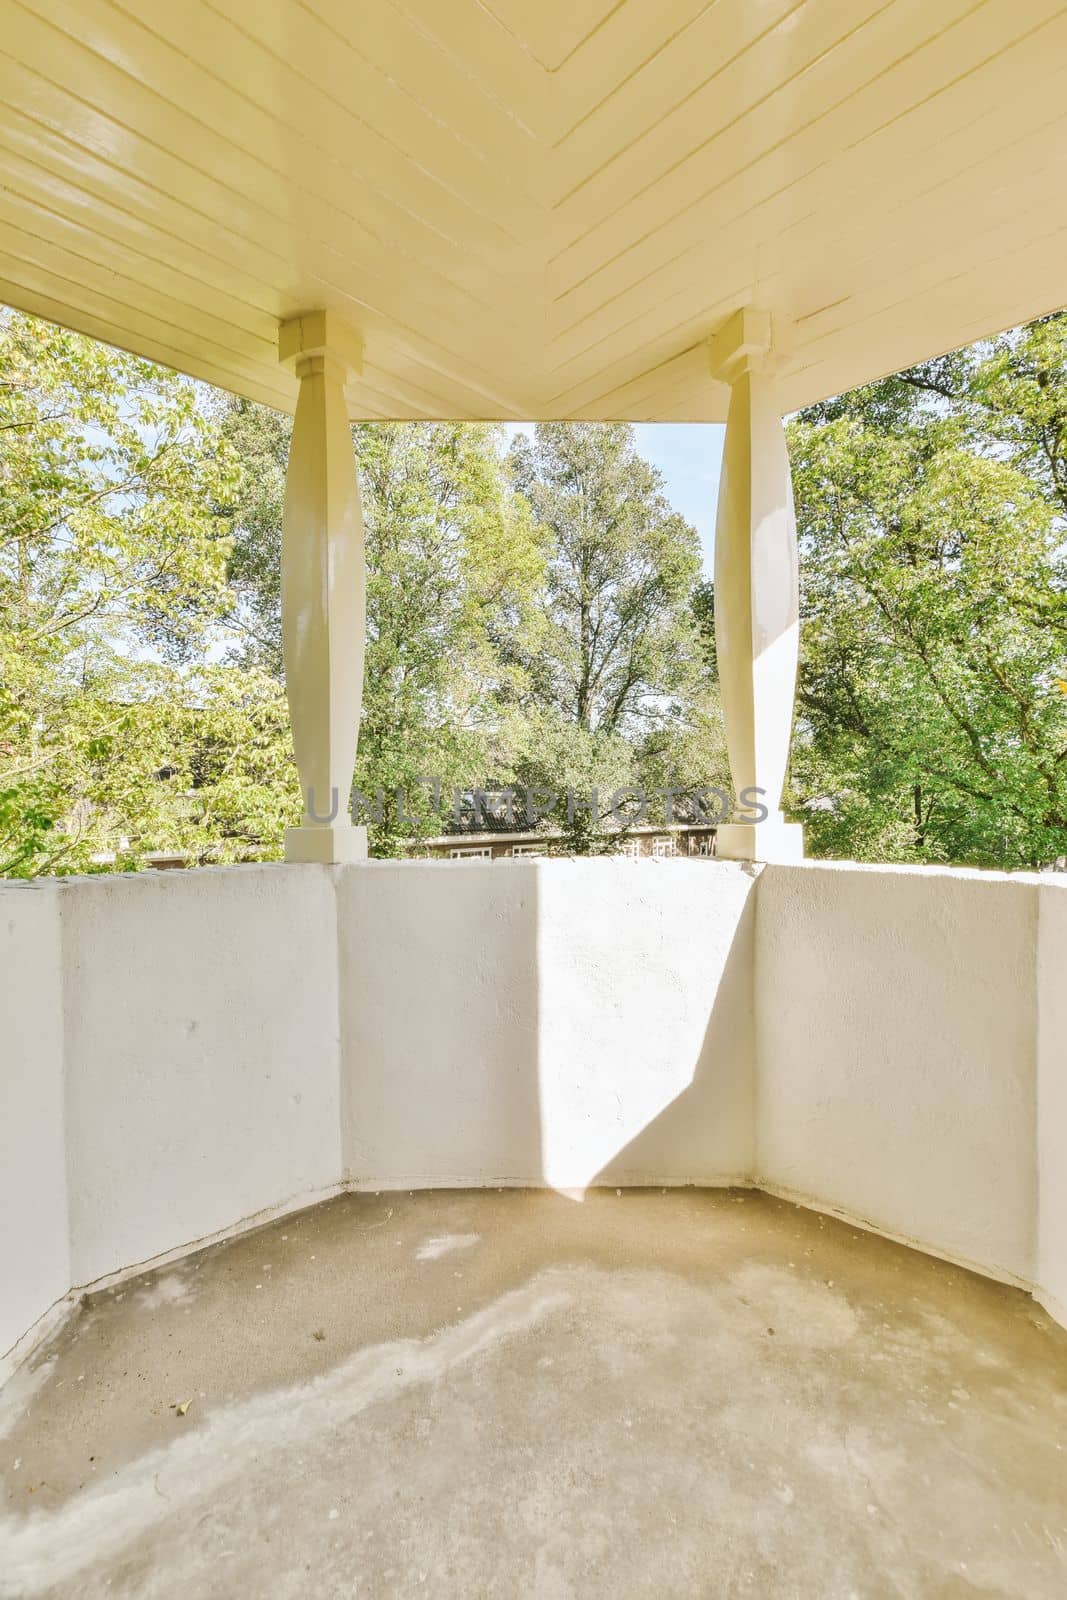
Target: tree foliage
x=621 y=683
x=535 y=618
x=932 y=510
x=112 y=579
x=621 y=570
x=472 y=574
x=454 y=564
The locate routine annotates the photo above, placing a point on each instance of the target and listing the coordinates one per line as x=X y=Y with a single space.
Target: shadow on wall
x=569 y=1024
x=439 y=1017
x=707 y=1132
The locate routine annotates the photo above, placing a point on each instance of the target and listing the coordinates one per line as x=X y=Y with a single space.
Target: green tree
x=112 y=583
x=622 y=685
x=932 y=510
x=685 y=749
x=259 y=439
x=574 y=776
x=619 y=635
x=453 y=567
x=454 y=564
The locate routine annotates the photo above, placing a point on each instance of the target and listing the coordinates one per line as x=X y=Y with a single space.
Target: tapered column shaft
x=323 y=591
x=756 y=598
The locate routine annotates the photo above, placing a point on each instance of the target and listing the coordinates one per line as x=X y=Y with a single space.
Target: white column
x=324 y=588
x=756 y=594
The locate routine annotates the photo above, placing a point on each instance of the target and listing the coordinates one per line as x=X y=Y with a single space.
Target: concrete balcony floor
x=652 y=1393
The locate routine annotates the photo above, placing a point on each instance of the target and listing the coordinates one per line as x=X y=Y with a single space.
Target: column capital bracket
x=748 y=341
x=320 y=333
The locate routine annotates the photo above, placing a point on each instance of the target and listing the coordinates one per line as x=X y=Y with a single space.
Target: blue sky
x=689 y=455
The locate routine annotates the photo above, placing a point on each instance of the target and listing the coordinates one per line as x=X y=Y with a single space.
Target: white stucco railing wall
x=1050 y=1265
x=201 y=1055
x=186 y=1053
x=530 y=1022
x=897 y=1021
x=35 y=1270
x=170 y=1067
x=911 y=1037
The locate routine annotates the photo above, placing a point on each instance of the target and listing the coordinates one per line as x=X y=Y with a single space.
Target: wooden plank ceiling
x=534 y=208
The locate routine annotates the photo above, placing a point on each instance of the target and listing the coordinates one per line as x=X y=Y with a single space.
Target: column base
x=772 y=840
x=329 y=844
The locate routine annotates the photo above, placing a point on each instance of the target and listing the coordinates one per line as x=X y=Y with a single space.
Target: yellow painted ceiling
x=534 y=208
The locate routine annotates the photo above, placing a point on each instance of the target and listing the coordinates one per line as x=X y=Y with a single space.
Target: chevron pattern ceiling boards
x=534 y=208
